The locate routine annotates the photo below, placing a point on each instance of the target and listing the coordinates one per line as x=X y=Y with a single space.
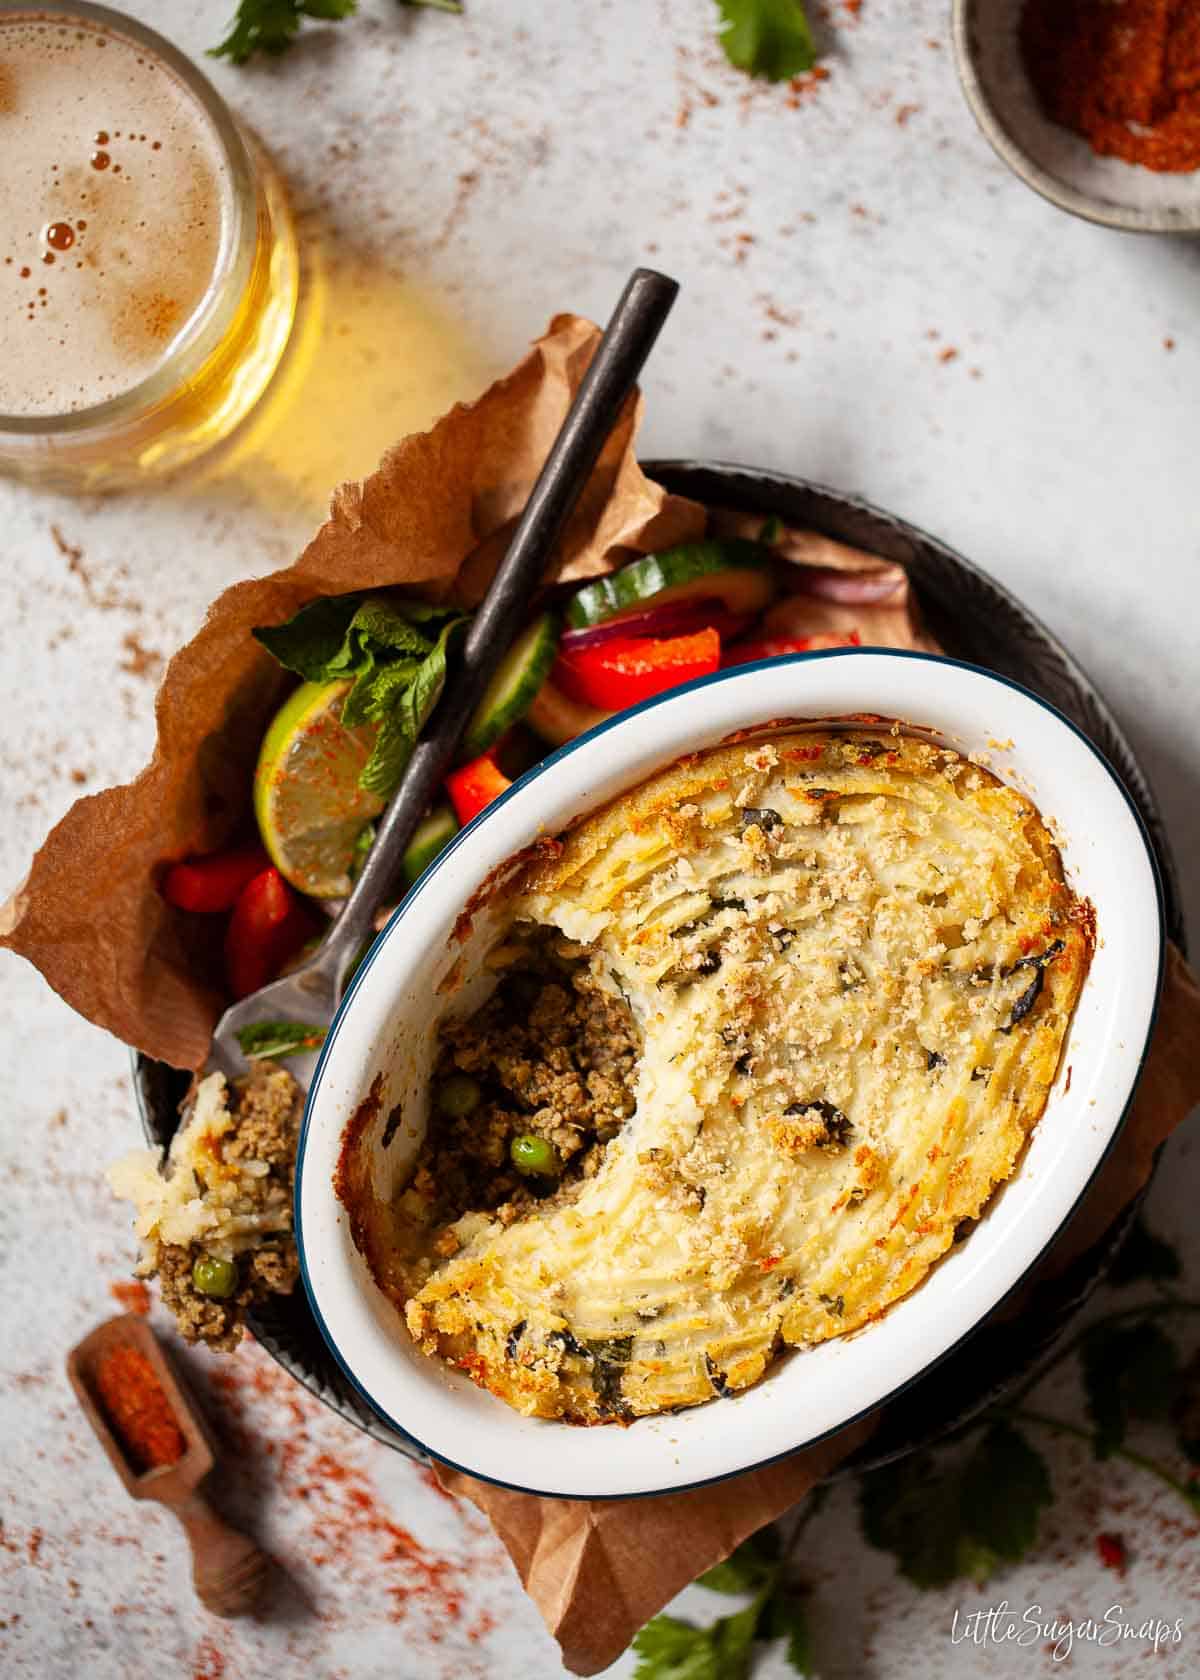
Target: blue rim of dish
x=539 y=769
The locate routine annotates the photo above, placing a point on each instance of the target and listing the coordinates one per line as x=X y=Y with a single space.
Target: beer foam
x=114 y=191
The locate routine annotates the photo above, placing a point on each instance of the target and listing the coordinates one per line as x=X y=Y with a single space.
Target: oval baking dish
x=383 y=1041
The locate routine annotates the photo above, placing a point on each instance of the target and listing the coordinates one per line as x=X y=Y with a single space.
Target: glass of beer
x=147 y=258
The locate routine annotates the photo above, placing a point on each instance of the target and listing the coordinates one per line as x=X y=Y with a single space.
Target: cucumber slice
x=514 y=687
x=731 y=570
x=433 y=832
x=557 y=718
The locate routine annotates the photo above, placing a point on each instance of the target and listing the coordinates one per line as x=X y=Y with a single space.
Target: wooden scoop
x=228 y=1569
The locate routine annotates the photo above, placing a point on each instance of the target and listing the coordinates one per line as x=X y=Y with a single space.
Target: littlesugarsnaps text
x=1035 y=1627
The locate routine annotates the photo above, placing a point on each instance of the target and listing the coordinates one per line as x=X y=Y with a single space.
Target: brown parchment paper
x=436 y=515
x=89 y=915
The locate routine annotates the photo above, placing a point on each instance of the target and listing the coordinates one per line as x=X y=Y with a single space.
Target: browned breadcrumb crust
x=266 y=1108
x=856 y=957
x=555 y=1058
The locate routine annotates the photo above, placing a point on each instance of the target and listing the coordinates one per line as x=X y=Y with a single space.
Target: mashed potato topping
x=852 y=959
x=224 y=1193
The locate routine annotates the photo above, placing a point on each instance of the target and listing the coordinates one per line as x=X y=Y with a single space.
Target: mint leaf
x=407 y=710
x=668 y=1649
x=391 y=752
x=395 y=624
x=746 y=1569
x=1004 y=1486
x=362 y=845
x=768 y=38
x=1143 y=1257
x=392 y=651
x=375 y=690
x=270 y=26
x=1128 y=1372
x=339 y=636
x=263 y=1039
x=787 y=1618
x=313 y=639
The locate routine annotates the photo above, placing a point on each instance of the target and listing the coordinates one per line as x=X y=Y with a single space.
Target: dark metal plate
x=974 y=618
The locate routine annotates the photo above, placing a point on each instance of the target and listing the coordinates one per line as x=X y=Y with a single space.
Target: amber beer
x=147 y=259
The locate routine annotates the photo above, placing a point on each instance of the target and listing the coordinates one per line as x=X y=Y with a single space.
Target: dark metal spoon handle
x=620 y=356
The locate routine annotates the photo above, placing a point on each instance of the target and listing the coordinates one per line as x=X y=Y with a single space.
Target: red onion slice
x=673 y=618
x=851 y=589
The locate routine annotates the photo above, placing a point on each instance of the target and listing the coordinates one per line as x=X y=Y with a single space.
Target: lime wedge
x=307 y=800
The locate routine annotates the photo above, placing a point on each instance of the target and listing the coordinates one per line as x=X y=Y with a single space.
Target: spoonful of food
x=310 y=994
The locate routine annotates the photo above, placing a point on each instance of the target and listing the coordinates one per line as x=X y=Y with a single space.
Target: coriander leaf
x=1004 y=1486
x=747 y=1568
x=271 y=25
x=668 y=1649
x=787 y=1618
x=1143 y=1256
x=912 y=1509
x=733 y=1640
x=974 y=1561
x=771 y=532
x=768 y=38
x=1185 y=1408
x=262 y=1039
x=1128 y=1372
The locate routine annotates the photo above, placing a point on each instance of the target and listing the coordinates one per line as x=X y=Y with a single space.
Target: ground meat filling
x=271 y=1269
x=266 y=1111
x=553 y=1056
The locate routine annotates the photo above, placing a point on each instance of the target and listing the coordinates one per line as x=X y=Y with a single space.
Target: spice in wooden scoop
x=160 y=1447
x=137 y=1407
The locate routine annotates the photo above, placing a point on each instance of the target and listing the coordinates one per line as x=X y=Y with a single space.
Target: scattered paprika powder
x=136 y=1405
x=1124 y=74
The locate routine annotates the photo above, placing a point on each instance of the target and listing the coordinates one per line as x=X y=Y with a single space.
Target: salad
x=370 y=668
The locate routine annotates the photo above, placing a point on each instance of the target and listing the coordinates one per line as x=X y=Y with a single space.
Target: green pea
x=534 y=1155
x=458 y=1095
x=211 y=1276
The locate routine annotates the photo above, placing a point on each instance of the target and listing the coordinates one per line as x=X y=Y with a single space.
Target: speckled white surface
x=457 y=181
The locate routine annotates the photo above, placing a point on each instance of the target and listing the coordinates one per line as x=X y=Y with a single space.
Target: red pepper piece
x=620 y=673
x=475 y=785
x=775 y=647
x=269 y=926
x=1112 y=1552
x=213 y=882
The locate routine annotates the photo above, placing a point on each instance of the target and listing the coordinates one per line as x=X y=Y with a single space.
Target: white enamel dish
x=386 y=1029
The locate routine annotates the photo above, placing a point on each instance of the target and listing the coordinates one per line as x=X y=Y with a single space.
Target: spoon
x=310 y=994
x=228 y=1569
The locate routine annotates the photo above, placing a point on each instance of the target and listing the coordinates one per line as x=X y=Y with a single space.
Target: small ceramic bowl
x=386 y=1030
x=1053 y=161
